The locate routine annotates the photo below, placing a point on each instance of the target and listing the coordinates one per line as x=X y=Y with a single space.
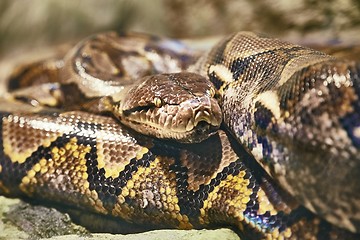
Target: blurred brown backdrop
x=35 y=23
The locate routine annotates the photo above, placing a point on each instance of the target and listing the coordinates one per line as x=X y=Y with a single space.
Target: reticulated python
x=294 y=110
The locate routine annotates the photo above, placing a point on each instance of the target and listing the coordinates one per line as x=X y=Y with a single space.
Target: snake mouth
x=200 y=132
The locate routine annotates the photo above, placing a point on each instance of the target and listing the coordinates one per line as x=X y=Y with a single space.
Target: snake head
x=179 y=106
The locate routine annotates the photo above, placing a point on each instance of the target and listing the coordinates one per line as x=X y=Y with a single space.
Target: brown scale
x=35 y=74
x=294 y=109
x=111 y=59
x=68 y=172
x=98 y=66
x=19 y=143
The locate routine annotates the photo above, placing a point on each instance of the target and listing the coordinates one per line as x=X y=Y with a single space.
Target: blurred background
x=32 y=25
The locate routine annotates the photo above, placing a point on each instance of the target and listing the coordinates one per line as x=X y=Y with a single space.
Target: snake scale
x=283 y=165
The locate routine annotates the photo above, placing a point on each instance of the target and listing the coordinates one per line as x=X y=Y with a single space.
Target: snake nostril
x=209 y=115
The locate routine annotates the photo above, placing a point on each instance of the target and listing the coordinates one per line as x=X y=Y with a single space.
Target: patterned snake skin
x=297 y=112
x=293 y=109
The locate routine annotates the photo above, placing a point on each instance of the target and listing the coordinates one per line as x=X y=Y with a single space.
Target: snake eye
x=157 y=101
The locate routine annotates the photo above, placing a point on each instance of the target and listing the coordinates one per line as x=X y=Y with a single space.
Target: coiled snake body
x=294 y=110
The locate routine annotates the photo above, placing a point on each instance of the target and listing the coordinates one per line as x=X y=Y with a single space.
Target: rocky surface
x=20 y=220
